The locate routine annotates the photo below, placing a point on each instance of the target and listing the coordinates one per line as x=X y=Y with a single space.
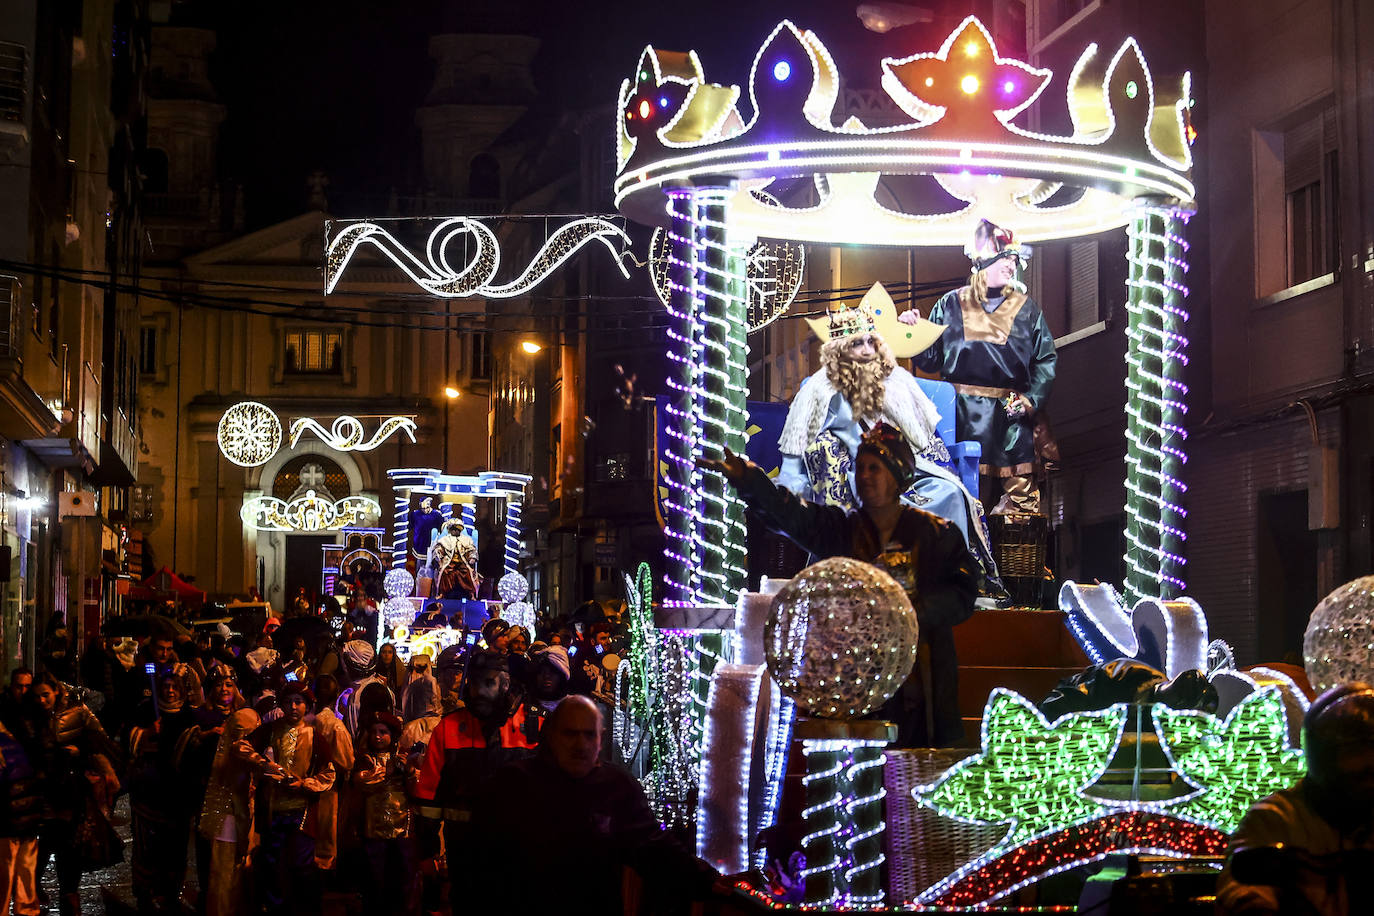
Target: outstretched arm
x=820 y=530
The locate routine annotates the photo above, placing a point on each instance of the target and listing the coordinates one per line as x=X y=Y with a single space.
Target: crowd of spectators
x=296 y=759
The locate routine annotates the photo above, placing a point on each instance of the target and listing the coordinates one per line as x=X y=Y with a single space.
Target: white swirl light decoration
x=249 y=434
x=307 y=513
x=438 y=277
x=520 y=614
x=346 y=432
x=1338 y=647
x=512 y=588
x=398 y=583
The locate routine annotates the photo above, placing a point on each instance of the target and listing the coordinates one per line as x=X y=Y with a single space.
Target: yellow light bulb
x=530 y=346
x=452 y=393
x=971 y=49
x=930 y=81
x=969 y=84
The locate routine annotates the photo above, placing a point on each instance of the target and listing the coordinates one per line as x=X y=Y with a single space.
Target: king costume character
x=821 y=436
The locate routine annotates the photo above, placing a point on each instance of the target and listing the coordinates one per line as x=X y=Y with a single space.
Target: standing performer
x=999 y=353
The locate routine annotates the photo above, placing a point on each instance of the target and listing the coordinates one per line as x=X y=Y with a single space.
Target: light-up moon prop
x=840 y=638
x=249 y=434
x=676 y=129
x=774 y=270
x=1338 y=646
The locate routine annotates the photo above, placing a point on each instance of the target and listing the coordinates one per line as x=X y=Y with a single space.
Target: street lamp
x=452 y=393
x=530 y=346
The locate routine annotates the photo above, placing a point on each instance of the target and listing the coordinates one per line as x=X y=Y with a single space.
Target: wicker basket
x=922 y=846
x=1019 y=544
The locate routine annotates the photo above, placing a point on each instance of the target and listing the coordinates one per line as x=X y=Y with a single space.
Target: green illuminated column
x=1156 y=357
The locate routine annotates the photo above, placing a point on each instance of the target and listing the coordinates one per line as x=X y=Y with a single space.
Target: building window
x=141 y=503
x=147 y=349
x=313 y=352
x=14 y=66
x=1296 y=201
x=479 y=356
x=1081 y=273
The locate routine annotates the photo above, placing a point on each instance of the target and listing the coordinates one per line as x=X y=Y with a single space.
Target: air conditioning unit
x=75 y=503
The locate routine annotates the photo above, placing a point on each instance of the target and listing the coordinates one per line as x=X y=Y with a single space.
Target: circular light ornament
x=512 y=587
x=397 y=612
x=644 y=109
x=1132 y=90
x=773 y=269
x=781 y=71
x=398 y=583
x=249 y=434
x=1338 y=646
x=519 y=614
x=969 y=84
x=840 y=638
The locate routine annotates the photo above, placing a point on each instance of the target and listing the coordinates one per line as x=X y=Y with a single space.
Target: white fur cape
x=905 y=406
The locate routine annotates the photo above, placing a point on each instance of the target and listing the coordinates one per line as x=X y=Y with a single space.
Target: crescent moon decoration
x=437 y=275
x=774 y=269
x=346 y=432
x=307 y=513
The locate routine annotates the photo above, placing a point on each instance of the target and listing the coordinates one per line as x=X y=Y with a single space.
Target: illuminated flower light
x=1035 y=777
x=1338 y=647
x=346 y=433
x=249 y=434
x=398 y=583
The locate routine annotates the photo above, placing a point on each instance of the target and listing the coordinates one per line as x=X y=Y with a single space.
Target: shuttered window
x=1082 y=282
x=1310 y=193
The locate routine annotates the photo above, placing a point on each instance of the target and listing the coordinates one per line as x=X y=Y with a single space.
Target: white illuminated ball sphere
x=397 y=611
x=512 y=587
x=1338 y=646
x=840 y=638
x=519 y=614
x=398 y=583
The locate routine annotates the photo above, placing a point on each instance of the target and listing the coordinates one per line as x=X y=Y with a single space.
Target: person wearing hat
x=858 y=385
x=999 y=353
x=488 y=730
x=923 y=552
x=294 y=769
x=496 y=635
x=1309 y=846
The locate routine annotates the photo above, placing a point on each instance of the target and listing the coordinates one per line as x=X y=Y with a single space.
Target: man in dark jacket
x=924 y=553
x=489 y=730
x=566 y=808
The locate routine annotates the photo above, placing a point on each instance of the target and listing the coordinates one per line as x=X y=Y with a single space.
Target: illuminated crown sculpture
x=674 y=128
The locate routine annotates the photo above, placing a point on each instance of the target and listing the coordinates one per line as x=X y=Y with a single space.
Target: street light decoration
x=249 y=434
x=345 y=433
x=308 y=512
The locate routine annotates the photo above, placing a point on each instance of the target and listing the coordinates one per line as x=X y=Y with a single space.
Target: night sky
x=334 y=84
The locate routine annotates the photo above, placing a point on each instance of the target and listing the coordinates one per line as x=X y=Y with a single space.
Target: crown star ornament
x=1130 y=142
x=877 y=313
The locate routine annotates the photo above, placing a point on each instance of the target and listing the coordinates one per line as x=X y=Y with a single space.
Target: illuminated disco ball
x=519 y=614
x=840 y=638
x=1338 y=646
x=512 y=587
x=398 y=583
x=397 y=611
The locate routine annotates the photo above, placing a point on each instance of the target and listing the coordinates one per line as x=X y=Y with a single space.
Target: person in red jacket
x=489 y=730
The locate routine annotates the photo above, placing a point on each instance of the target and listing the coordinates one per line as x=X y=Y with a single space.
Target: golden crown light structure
x=705 y=162
x=698 y=158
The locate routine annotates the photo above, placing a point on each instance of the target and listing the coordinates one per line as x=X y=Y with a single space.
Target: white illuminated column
x=1156 y=357
x=708 y=302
